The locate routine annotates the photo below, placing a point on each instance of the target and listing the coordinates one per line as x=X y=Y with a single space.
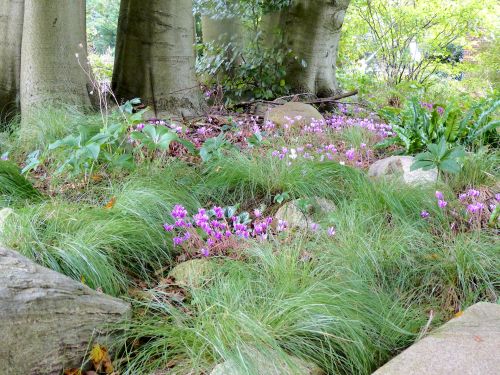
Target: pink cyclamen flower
x=139 y=127
x=473 y=193
x=475 y=208
x=439 y=195
x=282 y=225
x=168 y=227
x=331 y=231
x=178 y=240
x=179 y=212
x=442 y=203
x=257 y=213
x=497 y=197
x=424 y=214
x=219 y=212
x=350 y=154
x=314 y=227
x=205 y=252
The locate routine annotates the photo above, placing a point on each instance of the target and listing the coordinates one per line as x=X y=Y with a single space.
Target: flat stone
x=399 y=166
x=467 y=345
x=192 y=272
x=261 y=364
x=294 y=111
x=293 y=215
x=298 y=216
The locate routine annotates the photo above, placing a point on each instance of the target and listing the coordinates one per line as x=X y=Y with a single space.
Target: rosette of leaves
x=440 y=156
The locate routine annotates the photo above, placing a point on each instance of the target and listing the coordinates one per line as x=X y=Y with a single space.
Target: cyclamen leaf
x=450 y=166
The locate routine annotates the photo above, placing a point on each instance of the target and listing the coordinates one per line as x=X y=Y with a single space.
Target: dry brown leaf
x=111 y=203
x=100 y=359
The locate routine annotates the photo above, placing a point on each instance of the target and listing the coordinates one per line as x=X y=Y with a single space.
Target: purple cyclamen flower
x=179 y=212
x=442 y=203
x=5 y=157
x=168 y=227
x=363 y=145
x=475 y=208
x=178 y=240
x=331 y=231
x=424 y=214
x=473 y=193
x=282 y=225
x=462 y=197
x=439 y=195
x=257 y=213
x=350 y=154
x=314 y=227
x=205 y=252
x=139 y=127
x=497 y=197
x=219 y=212
x=440 y=110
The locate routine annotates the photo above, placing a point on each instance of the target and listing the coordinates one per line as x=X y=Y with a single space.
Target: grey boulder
x=49 y=321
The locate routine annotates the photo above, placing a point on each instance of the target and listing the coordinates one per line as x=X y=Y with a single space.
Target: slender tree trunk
x=155 y=57
x=312 y=30
x=11 y=30
x=54 y=55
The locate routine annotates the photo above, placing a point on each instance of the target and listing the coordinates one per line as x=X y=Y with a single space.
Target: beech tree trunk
x=47 y=320
x=11 y=30
x=155 y=56
x=54 y=54
x=312 y=30
x=222 y=30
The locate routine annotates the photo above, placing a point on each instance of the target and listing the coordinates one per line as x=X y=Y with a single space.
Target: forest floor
x=288 y=251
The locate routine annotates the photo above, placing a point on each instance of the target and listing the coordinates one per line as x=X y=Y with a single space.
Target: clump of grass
x=479 y=168
x=104 y=247
x=14 y=187
x=48 y=125
x=281 y=305
x=240 y=178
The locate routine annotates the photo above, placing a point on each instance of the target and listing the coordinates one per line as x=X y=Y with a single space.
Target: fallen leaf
x=97 y=178
x=100 y=359
x=72 y=371
x=111 y=203
x=459 y=314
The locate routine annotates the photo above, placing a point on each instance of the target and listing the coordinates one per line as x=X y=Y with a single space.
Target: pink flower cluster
x=322 y=153
x=475 y=208
x=341 y=122
x=212 y=229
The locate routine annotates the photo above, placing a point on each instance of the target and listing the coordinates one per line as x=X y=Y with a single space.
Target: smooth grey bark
x=155 y=56
x=11 y=30
x=47 y=320
x=223 y=30
x=312 y=30
x=54 y=55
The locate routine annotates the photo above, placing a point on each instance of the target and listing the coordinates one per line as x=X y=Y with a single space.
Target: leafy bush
x=419 y=124
x=252 y=71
